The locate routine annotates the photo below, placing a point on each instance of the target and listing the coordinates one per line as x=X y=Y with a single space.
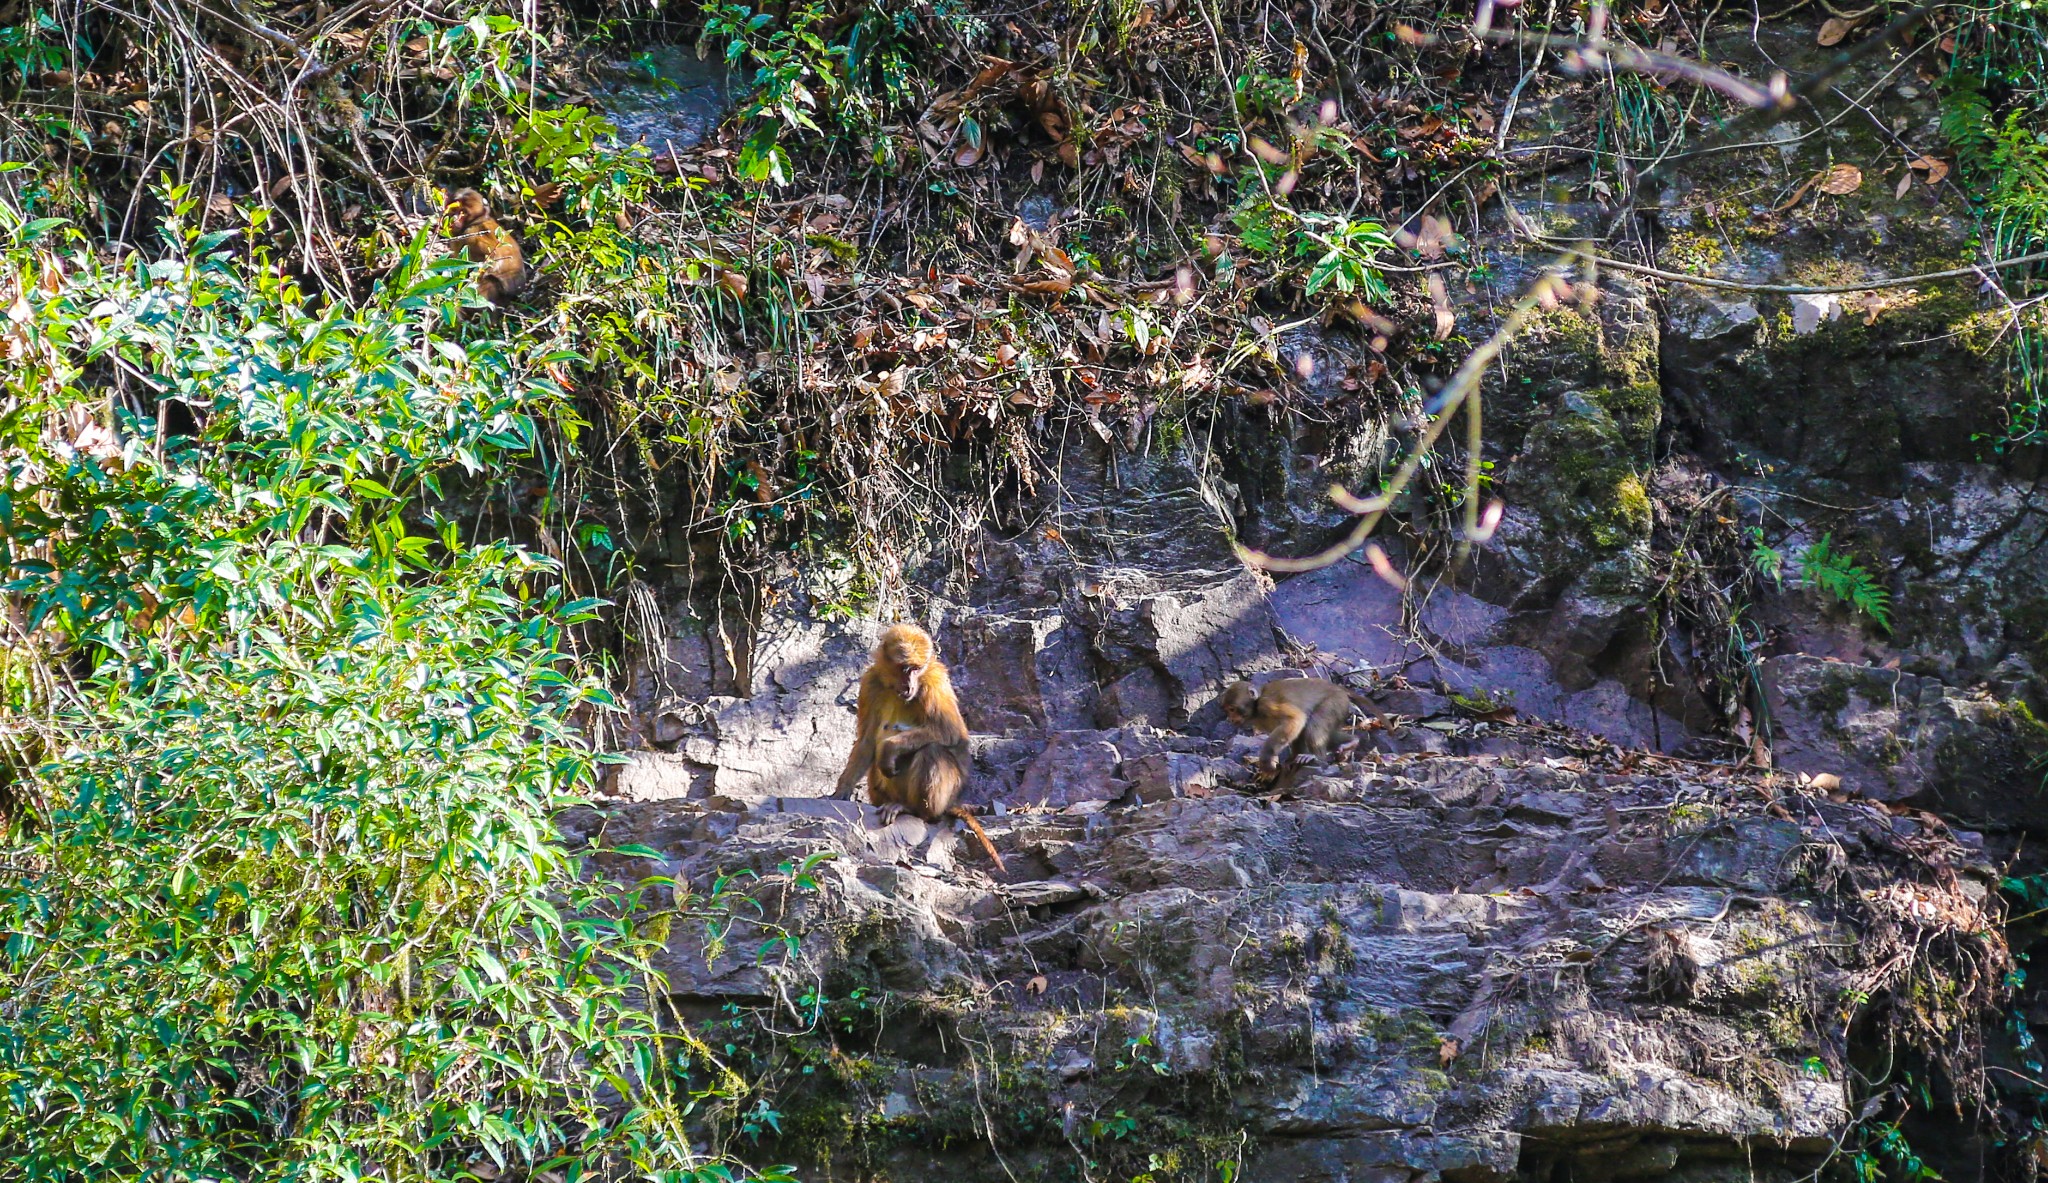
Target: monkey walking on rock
x=1301 y=716
x=911 y=743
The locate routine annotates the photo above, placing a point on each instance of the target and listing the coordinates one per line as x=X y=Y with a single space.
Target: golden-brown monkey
x=1301 y=715
x=505 y=274
x=911 y=743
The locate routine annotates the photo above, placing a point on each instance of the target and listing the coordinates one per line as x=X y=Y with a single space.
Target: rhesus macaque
x=478 y=233
x=1304 y=716
x=912 y=742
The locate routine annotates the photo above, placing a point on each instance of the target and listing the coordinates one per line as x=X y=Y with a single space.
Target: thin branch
x=1768 y=104
x=1543 y=293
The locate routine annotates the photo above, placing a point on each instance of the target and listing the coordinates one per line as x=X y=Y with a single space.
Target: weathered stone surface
x=1173 y=651
x=1163 y=776
x=1018 y=672
x=1894 y=736
x=655 y=776
x=1075 y=766
x=1549 y=666
x=1448 y=976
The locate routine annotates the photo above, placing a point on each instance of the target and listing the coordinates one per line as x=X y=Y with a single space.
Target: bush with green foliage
x=283 y=898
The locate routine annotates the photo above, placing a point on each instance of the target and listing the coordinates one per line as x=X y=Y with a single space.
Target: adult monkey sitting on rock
x=911 y=743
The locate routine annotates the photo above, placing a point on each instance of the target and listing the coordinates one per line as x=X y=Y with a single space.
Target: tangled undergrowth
x=1993 y=108
x=791 y=365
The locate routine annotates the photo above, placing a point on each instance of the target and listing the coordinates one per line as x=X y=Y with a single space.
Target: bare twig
x=1543 y=293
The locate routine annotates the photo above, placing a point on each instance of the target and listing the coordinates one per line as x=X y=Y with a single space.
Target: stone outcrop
x=1420 y=966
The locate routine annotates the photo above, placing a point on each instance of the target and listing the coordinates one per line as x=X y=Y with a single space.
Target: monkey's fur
x=1301 y=716
x=477 y=233
x=911 y=743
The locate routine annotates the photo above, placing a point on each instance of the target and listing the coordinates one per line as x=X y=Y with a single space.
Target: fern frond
x=1842 y=578
x=1966 y=122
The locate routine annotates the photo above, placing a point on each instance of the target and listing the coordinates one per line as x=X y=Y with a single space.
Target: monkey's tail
x=967 y=815
x=1363 y=709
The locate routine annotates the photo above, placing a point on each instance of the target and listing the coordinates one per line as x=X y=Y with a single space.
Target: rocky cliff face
x=1544 y=929
x=1553 y=960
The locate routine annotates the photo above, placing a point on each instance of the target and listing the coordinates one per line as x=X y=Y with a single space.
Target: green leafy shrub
x=1345 y=252
x=293 y=906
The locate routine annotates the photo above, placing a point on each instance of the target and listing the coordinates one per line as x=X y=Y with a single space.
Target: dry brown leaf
x=989 y=75
x=733 y=282
x=1430 y=240
x=1905 y=183
x=1840 y=179
x=1446 y=1052
x=1036 y=985
x=1440 y=300
x=1058 y=285
x=547 y=194
x=1936 y=170
x=1265 y=151
x=1797 y=195
x=968 y=155
x=1833 y=29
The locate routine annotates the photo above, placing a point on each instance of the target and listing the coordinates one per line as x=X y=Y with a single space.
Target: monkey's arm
x=1287 y=724
x=942 y=723
x=862 y=757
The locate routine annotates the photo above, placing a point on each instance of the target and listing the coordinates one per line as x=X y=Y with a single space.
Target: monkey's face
x=1238 y=702
x=468 y=206
x=908 y=678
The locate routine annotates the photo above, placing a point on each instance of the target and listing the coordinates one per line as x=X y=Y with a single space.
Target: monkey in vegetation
x=505 y=274
x=912 y=742
x=1301 y=715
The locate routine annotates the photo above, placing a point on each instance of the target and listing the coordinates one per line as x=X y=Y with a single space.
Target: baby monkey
x=1304 y=716
x=478 y=234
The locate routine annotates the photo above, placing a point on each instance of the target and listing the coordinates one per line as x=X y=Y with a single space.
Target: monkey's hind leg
x=894 y=786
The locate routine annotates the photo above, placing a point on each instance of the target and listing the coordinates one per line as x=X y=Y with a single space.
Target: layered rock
x=1422 y=966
